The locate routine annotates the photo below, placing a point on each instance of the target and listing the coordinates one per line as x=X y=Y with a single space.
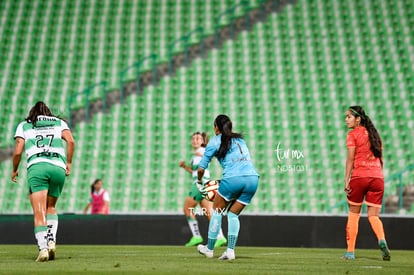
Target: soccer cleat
x=194 y=241
x=43 y=256
x=228 y=256
x=52 y=249
x=203 y=250
x=348 y=256
x=220 y=242
x=385 y=251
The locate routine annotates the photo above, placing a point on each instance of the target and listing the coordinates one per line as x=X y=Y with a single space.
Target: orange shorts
x=370 y=188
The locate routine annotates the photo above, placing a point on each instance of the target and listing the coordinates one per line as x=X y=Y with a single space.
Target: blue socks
x=215 y=226
x=234 y=228
x=213 y=229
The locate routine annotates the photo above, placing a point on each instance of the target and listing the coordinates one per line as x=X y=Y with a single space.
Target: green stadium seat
x=299 y=70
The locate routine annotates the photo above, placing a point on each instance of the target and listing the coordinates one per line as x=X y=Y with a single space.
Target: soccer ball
x=211 y=188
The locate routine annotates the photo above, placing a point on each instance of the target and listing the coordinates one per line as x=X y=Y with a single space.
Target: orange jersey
x=365 y=163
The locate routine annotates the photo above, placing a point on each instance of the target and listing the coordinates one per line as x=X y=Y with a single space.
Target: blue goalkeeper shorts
x=241 y=188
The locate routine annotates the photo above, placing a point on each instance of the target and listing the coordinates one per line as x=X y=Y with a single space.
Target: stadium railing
x=85 y=97
x=239 y=18
x=400 y=186
x=137 y=66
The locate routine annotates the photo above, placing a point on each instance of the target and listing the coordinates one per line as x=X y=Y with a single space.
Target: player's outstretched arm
x=17 y=155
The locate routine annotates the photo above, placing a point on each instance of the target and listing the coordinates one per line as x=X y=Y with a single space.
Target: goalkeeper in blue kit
x=237 y=187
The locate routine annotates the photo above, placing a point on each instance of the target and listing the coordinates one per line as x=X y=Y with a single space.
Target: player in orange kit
x=363 y=178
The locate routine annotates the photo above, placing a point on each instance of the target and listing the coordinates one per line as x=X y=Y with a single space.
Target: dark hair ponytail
x=40 y=108
x=224 y=124
x=373 y=135
x=93 y=185
x=205 y=139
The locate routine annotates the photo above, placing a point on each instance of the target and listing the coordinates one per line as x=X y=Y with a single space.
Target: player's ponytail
x=205 y=139
x=373 y=135
x=93 y=185
x=40 y=108
x=224 y=124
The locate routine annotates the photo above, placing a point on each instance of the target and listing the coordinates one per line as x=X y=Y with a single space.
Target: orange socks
x=377 y=227
x=352 y=230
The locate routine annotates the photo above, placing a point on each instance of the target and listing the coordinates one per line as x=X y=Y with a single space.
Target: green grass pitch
x=98 y=259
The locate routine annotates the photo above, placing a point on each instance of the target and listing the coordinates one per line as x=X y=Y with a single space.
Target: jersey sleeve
x=350 y=140
x=19 y=131
x=106 y=196
x=64 y=125
x=209 y=153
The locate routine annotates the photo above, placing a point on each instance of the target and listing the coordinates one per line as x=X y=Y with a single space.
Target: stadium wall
x=274 y=231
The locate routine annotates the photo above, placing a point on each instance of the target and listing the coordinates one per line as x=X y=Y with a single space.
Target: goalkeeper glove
x=200 y=187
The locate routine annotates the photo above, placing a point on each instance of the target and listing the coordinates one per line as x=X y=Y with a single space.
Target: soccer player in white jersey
x=41 y=136
x=198 y=142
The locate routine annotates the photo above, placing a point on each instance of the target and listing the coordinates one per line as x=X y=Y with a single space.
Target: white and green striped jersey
x=195 y=161
x=43 y=143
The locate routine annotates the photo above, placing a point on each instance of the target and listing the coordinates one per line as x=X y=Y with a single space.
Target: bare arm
x=70 y=149
x=349 y=166
x=17 y=155
x=185 y=167
x=105 y=207
x=85 y=211
x=200 y=173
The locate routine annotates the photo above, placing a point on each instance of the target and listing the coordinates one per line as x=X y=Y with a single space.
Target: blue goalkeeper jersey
x=237 y=161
